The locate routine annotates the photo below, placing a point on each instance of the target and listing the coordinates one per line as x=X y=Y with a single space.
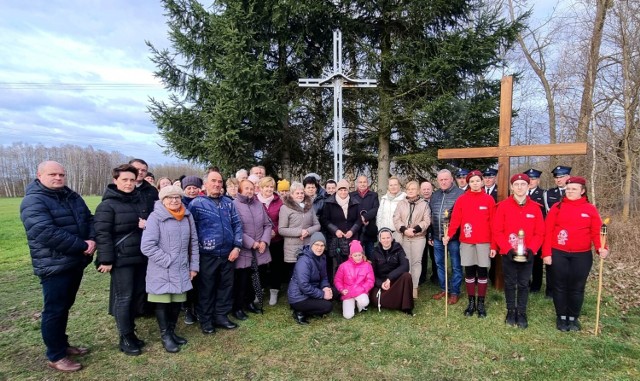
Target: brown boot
x=65 y=364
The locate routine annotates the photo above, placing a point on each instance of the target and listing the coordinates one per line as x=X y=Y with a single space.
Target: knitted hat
x=344 y=183
x=475 y=172
x=317 y=236
x=577 y=180
x=355 y=247
x=283 y=185
x=191 y=180
x=520 y=176
x=170 y=190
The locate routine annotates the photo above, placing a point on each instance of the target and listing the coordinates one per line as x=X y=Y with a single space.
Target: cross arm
x=514 y=151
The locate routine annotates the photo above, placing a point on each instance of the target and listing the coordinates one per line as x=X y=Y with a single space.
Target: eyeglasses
x=318 y=244
x=173 y=198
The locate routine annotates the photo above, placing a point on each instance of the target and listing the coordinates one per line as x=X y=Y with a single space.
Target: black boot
x=162 y=315
x=173 y=321
x=574 y=324
x=522 y=319
x=254 y=309
x=482 y=313
x=511 y=318
x=300 y=318
x=189 y=316
x=471 y=308
x=562 y=324
x=136 y=340
x=128 y=345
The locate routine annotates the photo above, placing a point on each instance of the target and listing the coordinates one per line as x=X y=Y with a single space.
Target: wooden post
x=505 y=151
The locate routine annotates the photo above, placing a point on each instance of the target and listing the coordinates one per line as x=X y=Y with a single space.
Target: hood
x=289 y=202
x=112 y=192
x=36 y=187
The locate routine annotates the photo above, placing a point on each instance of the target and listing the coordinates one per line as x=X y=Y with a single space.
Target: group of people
x=210 y=247
x=557 y=227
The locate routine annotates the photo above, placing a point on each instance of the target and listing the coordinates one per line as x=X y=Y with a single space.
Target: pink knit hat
x=355 y=247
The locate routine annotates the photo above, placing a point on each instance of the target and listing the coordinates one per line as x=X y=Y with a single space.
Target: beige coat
x=421 y=216
x=292 y=220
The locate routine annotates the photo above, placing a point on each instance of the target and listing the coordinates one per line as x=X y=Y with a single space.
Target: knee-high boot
x=173 y=321
x=163 y=316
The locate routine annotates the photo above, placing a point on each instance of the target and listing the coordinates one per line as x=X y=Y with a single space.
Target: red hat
x=475 y=172
x=520 y=176
x=355 y=247
x=577 y=180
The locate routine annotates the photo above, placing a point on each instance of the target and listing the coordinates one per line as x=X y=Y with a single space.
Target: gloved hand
x=530 y=255
x=511 y=254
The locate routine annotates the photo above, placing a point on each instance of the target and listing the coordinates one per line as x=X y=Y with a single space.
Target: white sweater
x=384 y=218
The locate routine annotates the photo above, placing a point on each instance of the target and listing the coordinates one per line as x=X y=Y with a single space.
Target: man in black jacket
x=369 y=204
x=60 y=234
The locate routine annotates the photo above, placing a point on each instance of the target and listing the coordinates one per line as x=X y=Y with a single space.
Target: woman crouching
x=309 y=291
x=393 y=283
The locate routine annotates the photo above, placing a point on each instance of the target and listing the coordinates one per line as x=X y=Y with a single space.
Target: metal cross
x=337 y=80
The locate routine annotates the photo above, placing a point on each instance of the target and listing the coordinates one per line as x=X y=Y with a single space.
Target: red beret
x=520 y=176
x=577 y=180
x=475 y=172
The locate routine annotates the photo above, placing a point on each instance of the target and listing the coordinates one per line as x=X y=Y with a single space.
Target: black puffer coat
x=57 y=223
x=389 y=264
x=148 y=197
x=116 y=216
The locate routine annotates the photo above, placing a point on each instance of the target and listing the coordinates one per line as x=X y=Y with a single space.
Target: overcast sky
x=78 y=72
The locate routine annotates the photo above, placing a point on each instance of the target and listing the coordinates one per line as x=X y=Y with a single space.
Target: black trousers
x=215 y=288
x=277 y=271
x=570 y=272
x=537 y=273
x=313 y=306
x=428 y=257
x=516 y=283
x=129 y=295
x=243 y=292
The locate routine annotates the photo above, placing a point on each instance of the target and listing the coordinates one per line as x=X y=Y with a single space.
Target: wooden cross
x=505 y=151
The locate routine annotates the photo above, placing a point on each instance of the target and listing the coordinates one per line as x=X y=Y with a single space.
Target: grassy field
x=382 y=346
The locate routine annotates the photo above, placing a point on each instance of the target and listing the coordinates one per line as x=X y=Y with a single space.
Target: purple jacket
x=166 y=241
x=256 y=226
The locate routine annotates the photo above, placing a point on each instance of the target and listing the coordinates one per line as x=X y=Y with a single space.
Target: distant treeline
x=88 y=169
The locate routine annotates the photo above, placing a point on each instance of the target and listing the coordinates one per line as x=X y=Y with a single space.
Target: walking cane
x=603 y=243
x=445 y=227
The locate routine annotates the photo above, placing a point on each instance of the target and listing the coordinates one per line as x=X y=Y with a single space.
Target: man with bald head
x=60 y=235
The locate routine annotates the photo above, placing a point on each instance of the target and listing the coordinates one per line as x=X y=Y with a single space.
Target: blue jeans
x=456 y=269
x=59 y=293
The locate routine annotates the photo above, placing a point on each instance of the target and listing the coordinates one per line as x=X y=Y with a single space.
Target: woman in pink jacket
x=354 y=279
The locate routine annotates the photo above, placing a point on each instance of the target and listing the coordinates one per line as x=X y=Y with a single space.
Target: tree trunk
x=384 y=133
x=586 y=104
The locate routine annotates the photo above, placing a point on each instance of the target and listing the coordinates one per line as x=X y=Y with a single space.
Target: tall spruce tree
x=232 y=71
x=433 y=59
x=233 y=75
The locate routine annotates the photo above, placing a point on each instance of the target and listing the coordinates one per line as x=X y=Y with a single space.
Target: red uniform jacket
x=472 y=214
x=571 y=226
x=510 y=217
